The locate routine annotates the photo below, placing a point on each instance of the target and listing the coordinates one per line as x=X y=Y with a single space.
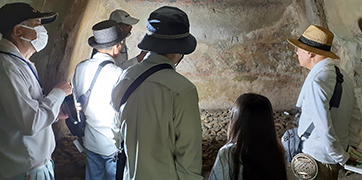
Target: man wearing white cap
x=327 y=103
x=125 y=22
x=26 y=113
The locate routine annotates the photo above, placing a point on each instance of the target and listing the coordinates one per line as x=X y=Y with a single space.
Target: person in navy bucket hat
x=160 y=122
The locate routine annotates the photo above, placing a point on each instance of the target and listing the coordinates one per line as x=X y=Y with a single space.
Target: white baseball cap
x=121 y=16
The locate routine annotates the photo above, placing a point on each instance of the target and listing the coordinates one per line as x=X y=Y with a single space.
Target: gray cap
x=121 y=16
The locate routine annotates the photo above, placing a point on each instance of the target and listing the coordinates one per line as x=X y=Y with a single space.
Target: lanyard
x=32 y=70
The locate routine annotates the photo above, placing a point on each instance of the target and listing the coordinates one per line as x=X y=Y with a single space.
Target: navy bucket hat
x=168 y=32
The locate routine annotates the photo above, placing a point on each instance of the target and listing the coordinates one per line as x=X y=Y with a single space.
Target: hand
x=65 y=86
x=62 y=113
x=141 y=56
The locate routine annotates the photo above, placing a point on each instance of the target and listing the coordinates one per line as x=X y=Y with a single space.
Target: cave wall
x=242 y=44
x=345 y=20
x=241 y=47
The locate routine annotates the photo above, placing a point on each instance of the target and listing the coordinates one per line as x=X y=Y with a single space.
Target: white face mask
x=42 y=37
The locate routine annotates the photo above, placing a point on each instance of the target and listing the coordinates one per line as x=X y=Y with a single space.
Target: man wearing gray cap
x=161 y=126
x=97 y=76
x=26 y=113
x=125 y=22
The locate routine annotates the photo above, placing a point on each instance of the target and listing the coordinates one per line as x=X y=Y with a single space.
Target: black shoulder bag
x=76 y=121
x=291 y=141
x=121 y=162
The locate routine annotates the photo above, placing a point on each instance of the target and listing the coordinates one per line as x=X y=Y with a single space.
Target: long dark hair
x=257 y=148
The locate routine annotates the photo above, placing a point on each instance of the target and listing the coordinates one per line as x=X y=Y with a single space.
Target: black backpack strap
x=141 y=78
x=337 y=93
x=334 y=102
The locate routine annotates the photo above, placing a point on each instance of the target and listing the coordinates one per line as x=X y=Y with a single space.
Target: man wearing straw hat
x=100 y=146
x=335 y=127
x=161 y=125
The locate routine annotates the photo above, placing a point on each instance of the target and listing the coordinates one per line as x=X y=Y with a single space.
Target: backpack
x=77 y=119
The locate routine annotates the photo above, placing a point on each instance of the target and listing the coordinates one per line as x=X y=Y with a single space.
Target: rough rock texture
x=69 y=164
x=344 y=19
x=241 y=43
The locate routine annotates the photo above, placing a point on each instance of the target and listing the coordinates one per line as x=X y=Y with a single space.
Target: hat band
x=314 y=44
x=166 y=36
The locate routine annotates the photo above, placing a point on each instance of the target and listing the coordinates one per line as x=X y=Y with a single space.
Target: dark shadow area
x=360 y=24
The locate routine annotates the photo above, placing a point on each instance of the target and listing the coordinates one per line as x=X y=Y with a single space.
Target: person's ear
x=17 y=32
x=114 y=49
x=311 y=55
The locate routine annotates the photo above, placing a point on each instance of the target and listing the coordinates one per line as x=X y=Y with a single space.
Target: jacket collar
x=158 y=59
x=8 y=46
x=102 y=56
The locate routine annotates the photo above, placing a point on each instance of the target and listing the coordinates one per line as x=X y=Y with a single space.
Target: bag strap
x=87 y=93
x=100 y=66
x=334 y=102
x=309 y=130
x=337 y=93
x=141 y=78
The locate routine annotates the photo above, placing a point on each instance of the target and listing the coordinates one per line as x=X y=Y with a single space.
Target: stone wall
x=345 y=20
x=241 y=44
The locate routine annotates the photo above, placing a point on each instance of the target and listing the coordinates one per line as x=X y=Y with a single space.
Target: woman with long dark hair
x=253 y=150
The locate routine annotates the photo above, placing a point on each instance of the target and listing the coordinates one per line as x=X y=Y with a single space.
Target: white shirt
x=221 y=168
x=335 y=129
x=26 y=116
x=100 y=115
x=122 y=59
x=161 y=124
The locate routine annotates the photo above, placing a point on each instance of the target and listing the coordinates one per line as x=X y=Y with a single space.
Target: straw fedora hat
x=316 y=39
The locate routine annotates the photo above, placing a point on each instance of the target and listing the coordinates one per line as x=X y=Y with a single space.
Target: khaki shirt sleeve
x=188 y=160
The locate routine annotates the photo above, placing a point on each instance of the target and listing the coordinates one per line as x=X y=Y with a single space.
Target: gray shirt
x=222 y=164
x=26 y=116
